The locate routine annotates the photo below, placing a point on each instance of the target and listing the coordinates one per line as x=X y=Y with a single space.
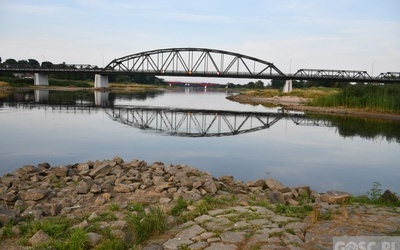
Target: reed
x=378 y=98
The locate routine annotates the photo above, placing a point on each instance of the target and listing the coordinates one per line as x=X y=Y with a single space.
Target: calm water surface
x=341 y=153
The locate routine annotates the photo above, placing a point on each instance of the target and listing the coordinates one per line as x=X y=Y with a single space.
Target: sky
x=307 y=34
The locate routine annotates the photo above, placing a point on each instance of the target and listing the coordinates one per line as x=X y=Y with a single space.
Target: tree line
x=278 y=84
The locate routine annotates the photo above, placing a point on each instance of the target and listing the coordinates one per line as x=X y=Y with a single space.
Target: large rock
x=93 y=239
x=33 y=195
x=162 y=186
x=118 y=160
x=26 y=169
x=389 y=197
x=39 y=238
x=6 y=215
x=83 y=187
x=273 y=184
x=303 y=189
x=44 y=165
x=122 y=188
x=11 y=197
x=83 y=168
x=53 y=209
x=334 y=197
x=210 y=187
x=258 y=183
x=95 y=189
x=60 y=171
x=102 y=169
x=276 y=197
x=8 y=179
x=227 y=179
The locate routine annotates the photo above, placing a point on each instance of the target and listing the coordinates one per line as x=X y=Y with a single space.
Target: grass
x=304 y=93
x=376 y=98
x=111 y=243
x=63 y=236
x=180 y=206
x=294 y=211
x=144 y=225
x=373 y=197
x=200 y=207
x=70 y=83
x=106 y=216
x=56 y=228
x=113 y=207
x=18 y=82
x=7 y=231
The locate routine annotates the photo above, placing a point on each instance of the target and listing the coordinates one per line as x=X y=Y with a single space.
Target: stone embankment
x=90 y=187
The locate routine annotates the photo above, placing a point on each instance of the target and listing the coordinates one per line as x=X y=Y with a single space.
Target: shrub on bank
x=24 y=82
x=69 y=83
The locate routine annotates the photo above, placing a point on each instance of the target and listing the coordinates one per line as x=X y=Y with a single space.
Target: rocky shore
x=260 y=214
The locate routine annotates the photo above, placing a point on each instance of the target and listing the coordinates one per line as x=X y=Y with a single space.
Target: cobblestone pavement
x=253 y=227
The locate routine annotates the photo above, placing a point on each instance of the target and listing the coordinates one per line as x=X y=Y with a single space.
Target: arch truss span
x=195 y=62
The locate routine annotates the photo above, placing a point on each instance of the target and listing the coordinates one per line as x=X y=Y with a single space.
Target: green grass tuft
x=145 y=225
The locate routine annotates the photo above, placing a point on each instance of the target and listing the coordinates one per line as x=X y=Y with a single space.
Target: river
x=203 y=129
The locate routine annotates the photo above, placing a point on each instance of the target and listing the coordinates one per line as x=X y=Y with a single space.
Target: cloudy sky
x=340 y=34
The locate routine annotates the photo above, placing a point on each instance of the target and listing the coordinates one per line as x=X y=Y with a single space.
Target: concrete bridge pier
x=41 y=79
x=101 y=81
x=287 y=88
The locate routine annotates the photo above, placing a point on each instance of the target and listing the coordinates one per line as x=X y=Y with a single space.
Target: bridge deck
x=202 y=62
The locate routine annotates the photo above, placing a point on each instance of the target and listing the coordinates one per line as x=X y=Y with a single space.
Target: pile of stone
x=46 y=190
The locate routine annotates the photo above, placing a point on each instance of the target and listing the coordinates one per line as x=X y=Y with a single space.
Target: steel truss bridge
x=202 y=62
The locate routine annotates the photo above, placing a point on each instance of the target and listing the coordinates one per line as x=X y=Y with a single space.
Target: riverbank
x=103 y=204
x=296 y=103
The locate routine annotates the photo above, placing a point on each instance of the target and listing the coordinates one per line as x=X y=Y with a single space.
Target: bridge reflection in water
x=204 y=123
x=101 y=98
x=182 y=122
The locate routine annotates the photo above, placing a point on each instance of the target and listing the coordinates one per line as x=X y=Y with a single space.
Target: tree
x=47 y=65
x=23 y=63
x=250 y=85
x=123 y=78
x=259 y=84
x=277 y=84
x=11 y=61
x=33 y=63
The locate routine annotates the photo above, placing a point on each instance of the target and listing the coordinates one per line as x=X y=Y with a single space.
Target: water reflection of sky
x=295 y=155
x=193 y=99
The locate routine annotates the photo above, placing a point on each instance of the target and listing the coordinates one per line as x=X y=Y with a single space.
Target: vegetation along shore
x=113 y=204
x=375 y=101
